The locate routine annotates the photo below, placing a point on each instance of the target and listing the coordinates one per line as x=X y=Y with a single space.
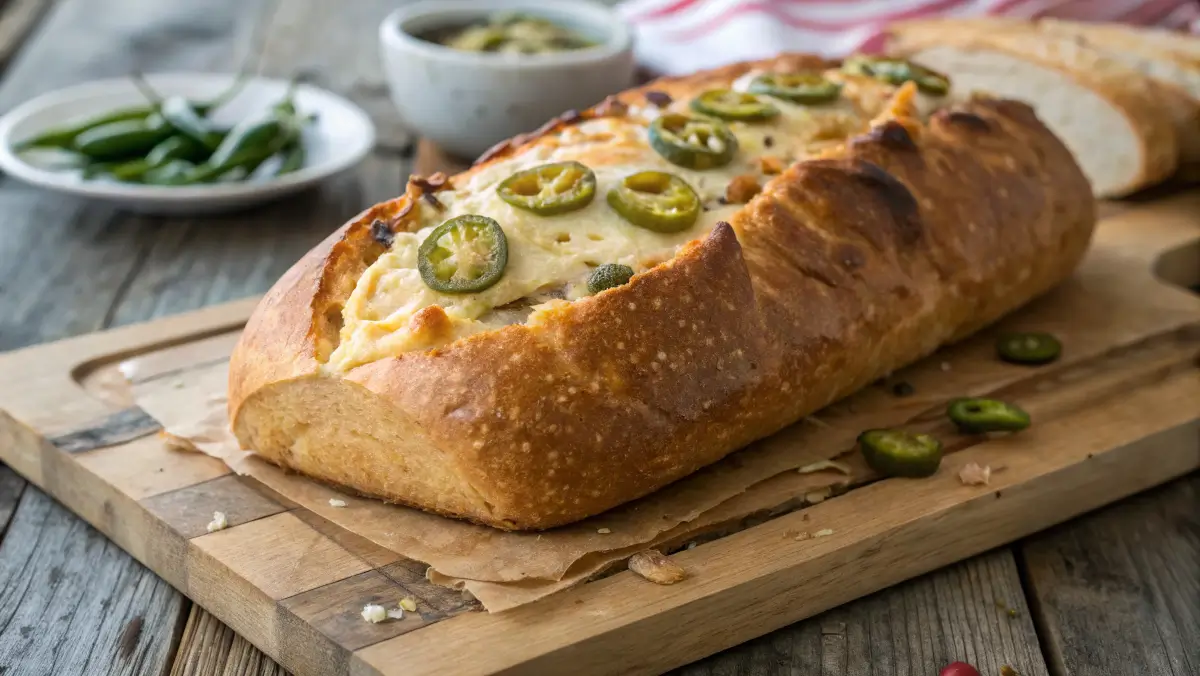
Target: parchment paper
x=507 y=569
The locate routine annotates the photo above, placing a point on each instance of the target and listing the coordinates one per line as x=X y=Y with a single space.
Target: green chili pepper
x=293 y=159
x=692 y=142
x=1032 y=349
x=550 y=189
x=129 y=171
x=806 y=88
x=900 y=453
x=172 y=172
x=976 y=416
x=897 y=72
x=251 y=139
x=180 y=114
x=656 y=200
x=608 y=276
x=65 y=137
x=126 y=139
x=247 y=146
x=176 y=148
x=730 y=105
x=252 y=142
x=465 y=254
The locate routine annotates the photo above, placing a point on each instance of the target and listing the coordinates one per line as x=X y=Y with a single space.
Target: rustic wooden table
x=1114 y=593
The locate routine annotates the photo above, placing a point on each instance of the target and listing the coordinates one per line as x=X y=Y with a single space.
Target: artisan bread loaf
x=879 y=233
x=1124 y=128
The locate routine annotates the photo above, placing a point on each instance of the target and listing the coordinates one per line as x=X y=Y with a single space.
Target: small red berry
x=959 y=669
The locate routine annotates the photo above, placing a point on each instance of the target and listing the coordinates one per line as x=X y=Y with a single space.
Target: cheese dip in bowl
x=568 y=54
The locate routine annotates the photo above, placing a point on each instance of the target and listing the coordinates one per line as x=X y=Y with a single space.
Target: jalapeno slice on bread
x=609 y=276
x=550 y=189
x=806 y=88
x=656 y=200
x=730 y=105
x=897 y=72
x=466 y=254
x=900 y=453
x=692 y=142
x=975 y=415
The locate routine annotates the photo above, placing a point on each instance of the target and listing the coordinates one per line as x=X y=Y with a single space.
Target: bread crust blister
x=845 y=267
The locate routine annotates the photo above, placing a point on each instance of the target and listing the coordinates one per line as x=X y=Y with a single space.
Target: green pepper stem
x=139 y=81
x=224 y=97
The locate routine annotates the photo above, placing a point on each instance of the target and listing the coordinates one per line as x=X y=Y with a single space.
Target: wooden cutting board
x=1116 y=418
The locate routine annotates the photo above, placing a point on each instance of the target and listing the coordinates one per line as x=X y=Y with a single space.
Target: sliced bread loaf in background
x=1128 y=127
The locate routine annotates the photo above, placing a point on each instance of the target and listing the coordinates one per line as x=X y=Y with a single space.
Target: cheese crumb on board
x=657 y=568
x=334 y=502
x=824 y=532
x=407 y=603
x=972 y=474
x=219 y=522
x=604 y=531
x=374 y=613
x=822 y=465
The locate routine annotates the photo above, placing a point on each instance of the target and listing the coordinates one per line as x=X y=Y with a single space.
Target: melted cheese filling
x=552 y=256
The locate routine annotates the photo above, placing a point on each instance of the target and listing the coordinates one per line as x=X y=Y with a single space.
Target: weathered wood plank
x=11 y=488
x=72 y=602
x=973 y=611
x=1118 y=592
x=209 y=648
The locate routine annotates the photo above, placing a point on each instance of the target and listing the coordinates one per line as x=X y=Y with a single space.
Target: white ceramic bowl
x=339 y=139
x=466 y=102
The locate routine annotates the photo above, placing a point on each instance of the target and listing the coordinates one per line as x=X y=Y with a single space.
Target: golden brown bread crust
x=842 y=270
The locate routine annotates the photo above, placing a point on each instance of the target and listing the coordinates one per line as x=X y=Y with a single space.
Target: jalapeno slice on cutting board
x=656 y=200
x=692 y=142
x=550 y=189
x=1033 y=349
x=977 y=415
x=900 y=453
x=730 y=105
x=897 y=72
x=807 y=88
x=609 y=276
x=465 y=254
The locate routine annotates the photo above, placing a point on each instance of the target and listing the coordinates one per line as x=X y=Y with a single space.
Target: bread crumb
x=408 y=604
x=334 y=502
x=821 y=465
x=374 y=613
x=395 y=613
x=219 y=522
x=603 y=531
x=823 y=533
x=972 y=474
x=802 y=535
x=657 y=568
x=818 y=496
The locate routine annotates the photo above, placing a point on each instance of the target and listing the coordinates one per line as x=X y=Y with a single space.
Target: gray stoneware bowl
x=466 y=102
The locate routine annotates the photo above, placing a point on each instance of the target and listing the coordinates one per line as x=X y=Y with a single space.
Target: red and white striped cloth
x=681 y=36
